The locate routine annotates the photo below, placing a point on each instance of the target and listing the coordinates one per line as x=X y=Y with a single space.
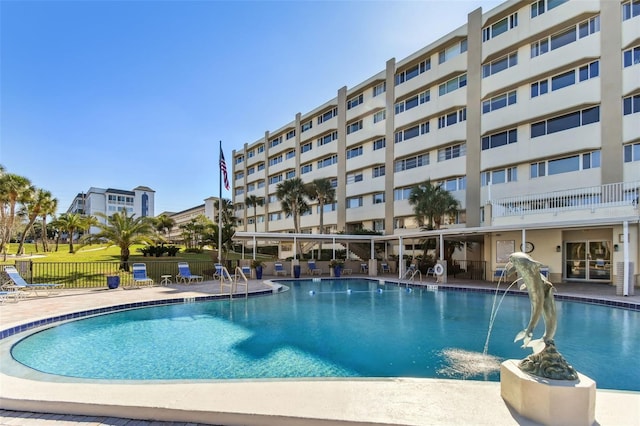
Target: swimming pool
x=330 y=333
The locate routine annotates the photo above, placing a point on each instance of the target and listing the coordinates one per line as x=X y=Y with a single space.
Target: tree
x=34 y=205
x=164 y=224
x=48 y=209
x=254 y=201
x=229 y=221
x=71 y=223
x=14 y=189
x=291 y=194
x=431 y=203
x=323 y=191
x=123 y=231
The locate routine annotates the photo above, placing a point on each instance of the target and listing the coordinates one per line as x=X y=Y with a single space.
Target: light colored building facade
x=529 y=115
x=139 y=201
x=208 y=210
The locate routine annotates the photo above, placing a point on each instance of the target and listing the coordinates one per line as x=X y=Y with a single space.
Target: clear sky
x=117 y=94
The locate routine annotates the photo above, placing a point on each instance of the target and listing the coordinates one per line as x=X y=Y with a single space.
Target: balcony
x=610 y=201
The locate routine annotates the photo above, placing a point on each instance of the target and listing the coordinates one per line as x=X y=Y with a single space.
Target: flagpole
x=220 y=207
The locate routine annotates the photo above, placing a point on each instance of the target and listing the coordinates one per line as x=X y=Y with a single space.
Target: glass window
x=564 y=165
x=379 y=144
x=563 y=38
x=631 y=57
x=563 y=80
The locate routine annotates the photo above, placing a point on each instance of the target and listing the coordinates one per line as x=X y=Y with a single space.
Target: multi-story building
x=529 y=114
x=139 y=201
x=208 y=210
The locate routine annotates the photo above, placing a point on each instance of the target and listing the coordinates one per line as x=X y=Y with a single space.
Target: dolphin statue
x=541 y=296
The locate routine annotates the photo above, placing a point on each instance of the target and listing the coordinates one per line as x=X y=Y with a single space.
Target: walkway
x=403 y=401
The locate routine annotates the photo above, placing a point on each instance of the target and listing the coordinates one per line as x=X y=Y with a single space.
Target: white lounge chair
x=185 y=275
x=18 y=283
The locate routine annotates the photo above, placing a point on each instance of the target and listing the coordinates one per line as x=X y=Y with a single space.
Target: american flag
x=223 y=168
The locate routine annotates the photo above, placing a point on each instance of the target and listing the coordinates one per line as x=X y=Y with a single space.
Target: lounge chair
x=217 y=275
x=364 y=268
x=384 y=268
x=140 y=277
x=279 y=269
x=246 y=270
x=185 y=275
x=18 y=283
x=313 y=269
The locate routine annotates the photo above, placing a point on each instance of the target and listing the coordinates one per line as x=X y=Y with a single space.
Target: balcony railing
x=621 y=194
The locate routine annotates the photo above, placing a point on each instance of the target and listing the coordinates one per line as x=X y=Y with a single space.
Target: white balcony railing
x=623 y=194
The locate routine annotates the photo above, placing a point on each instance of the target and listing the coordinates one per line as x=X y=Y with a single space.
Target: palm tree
x=254 y=201
x=70 y=223
x=123 y=231
x=321 y=190
x=229 y=221
x=291 y=194
x=164 y=224
x=34 y=206
x=14 y=189
x=431 y=203
x=48 y=209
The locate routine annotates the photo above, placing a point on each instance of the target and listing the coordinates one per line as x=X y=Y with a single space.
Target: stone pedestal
x=550 y=402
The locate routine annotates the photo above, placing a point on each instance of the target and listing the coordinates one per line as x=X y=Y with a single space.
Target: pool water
x=330 y=328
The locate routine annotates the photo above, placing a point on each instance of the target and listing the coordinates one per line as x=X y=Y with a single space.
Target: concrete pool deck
x=401 y=401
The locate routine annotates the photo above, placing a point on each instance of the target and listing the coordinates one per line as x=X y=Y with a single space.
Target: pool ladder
x=233 y=281
x=412 y=272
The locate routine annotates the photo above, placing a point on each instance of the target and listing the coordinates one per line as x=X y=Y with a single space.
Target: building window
x=412 y=102
x=412 y=132
x=306 y=147
x=501 y=64
x=251 y=187
x=631 y=56
x=290 y=134
x=632 y=152
x=565 y=122
x=413 y=71
x=379 y=89
x=306 y=168
x=290 y=154
x=541 y=6
x=455 y=184
x=328 y=161
x=275 y=179
x=380 y=116
x=452 y=118
x=565 y=79
x=239 y=175
x=379 y=144
x=327 y=115
x=453 y=84
x=260 y=166
x=275 y=160
x=354 y=152
x=275 y=216
x=452 y=51
x=355 y=101
x=354 y=202
x=567 y=36
x=239 y=159
x=328 y=138
x=290 y=174
x=251 y=154
x=450 y=152
x=260 y=184
x=574 y=163
x=251 y=170
x=500 y=27
x=378 y=225
x=631 y=105
x=411 y=163
x=378 y=198
x=354 y=177
x=306 y=126
x=630 y=9
x=354 y=127
x=499 y=101
x=275 y=142
x=273 y=198
x=402 y=194
x=495 y=177
x=378 y=171
x=499 y=139
x=239 y=191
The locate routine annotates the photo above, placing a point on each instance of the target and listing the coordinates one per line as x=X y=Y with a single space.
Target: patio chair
x=246 y=270
x=384 y=268
x=364 y=268
x=140 y=277
x=185 y=275
x=279 y=269
x=18 y=283
x=313 y=269
x=217 y=275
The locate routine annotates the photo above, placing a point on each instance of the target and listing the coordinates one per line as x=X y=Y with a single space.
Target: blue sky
x=117 y=94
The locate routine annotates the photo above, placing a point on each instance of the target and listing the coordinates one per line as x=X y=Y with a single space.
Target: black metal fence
x=93 y=274
x=467 y=269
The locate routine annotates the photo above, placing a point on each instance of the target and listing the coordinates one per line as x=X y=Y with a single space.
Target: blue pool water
x=333 y=332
